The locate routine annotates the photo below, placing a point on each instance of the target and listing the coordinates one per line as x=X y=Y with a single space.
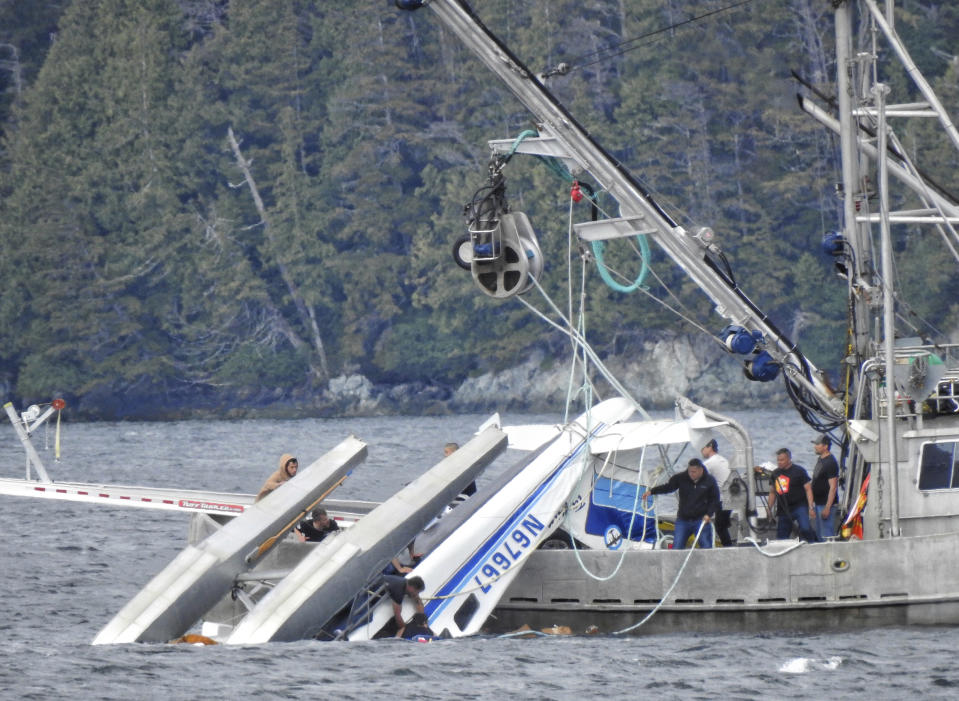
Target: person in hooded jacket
x=285 y=472
x=698 y=496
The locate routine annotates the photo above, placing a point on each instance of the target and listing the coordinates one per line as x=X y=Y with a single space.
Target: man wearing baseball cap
x=825 y=481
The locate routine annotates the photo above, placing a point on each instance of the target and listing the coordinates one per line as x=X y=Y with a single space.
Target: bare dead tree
x=305 y=311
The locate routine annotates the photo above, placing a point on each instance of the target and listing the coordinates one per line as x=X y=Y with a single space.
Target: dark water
x=68 y=568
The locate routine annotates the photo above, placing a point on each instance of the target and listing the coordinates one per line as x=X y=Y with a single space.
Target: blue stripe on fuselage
x=465 y=573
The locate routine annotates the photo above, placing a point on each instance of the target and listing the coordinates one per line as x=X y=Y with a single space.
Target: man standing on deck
x=718 y=467
x=791 y=492
x=698 y=502
x=825 y=481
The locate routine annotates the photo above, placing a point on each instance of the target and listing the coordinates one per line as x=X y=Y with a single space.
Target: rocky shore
x=664 y=369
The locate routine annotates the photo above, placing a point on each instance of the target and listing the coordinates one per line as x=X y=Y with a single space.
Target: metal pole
x=913 y=71
x=888 y=309
x=861 y=276
x=32 y=457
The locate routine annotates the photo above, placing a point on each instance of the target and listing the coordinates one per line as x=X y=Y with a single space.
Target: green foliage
x=141 y=249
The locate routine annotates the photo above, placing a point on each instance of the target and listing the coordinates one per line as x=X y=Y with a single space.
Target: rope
x=569 y=303
x=584 y=344
x=632 y=520
x=598 y=247
x=523 y=135
x=518 y=562
x=766 y=553
x=671 y=586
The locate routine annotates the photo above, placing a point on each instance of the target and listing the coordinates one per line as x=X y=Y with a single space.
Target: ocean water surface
x=67 y=568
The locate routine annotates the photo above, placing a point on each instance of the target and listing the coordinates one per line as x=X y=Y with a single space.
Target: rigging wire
x=607 y=53
x=682 y=314
x=584 y=345
x=810 y=410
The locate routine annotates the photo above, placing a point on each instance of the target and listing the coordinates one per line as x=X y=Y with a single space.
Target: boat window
x=938 y=468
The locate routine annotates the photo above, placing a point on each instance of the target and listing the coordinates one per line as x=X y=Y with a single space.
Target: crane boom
x=575 y=144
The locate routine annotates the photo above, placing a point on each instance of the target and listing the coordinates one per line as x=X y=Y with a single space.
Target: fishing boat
x=605 y=562
x=896 y=421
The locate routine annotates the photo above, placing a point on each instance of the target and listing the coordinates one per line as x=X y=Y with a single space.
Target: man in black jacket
x=698 y=496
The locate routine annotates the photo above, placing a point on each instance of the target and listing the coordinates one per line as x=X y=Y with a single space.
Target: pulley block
x=512 y=267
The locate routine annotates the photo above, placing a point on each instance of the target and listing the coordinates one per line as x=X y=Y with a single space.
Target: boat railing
x=761 y=481
x=944 y=400
x=947 y=352
x=933 y=373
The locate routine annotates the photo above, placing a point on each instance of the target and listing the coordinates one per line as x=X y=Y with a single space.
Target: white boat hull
x=826 y=586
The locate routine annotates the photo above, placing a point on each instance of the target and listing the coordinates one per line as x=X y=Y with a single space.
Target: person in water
x=404 y=561
x=317 y=527
x=448 y=450
x=698 y=502
x=285 y=472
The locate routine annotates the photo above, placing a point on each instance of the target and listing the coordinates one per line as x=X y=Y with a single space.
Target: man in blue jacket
x=698 y=496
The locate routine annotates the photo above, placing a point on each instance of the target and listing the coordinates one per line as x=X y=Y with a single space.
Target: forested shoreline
x=222 y=206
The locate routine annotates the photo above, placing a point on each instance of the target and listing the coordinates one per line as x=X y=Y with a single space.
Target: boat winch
x=761 y=367
x=739 y=340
